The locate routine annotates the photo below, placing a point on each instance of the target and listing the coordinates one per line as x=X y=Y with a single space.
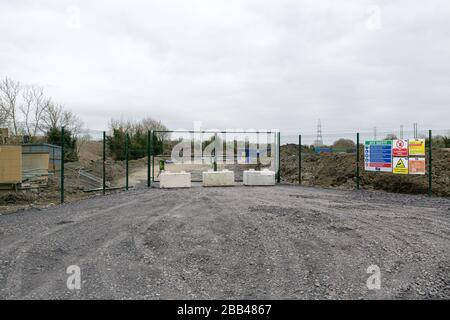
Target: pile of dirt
x=91 y=161
x=339 y=170
x=17 y=198
x=90 y=151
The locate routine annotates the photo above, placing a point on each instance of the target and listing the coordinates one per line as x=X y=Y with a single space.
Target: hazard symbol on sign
x=400 y=165
x=400 y=148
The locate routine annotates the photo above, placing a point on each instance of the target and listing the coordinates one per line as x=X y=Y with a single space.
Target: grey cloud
x=236 y=63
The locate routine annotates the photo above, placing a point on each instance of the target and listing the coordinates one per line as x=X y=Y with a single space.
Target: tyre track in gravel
x=395 y=233
x=276 y=242
x=22 y=248
x=139 y=252
x=312 y=248
x=91 y=217
x=91 y=256
x=385 y=234
x=250 y=254
x=190 y=269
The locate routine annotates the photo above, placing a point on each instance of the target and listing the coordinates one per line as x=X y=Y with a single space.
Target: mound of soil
x=17 y=198
x=339 y=170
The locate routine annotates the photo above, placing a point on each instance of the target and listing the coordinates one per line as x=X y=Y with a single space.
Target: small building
x=10 y=165
x=54 y=152
x=35 y=169
x=322 y=150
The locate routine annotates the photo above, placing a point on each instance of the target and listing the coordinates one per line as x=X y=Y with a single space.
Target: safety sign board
x=417 y=165
x=416 y=147
x=400 y=165
x=378 y=155
x=400 y=148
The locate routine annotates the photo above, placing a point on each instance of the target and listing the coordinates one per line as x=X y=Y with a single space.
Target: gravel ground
x=282 y=242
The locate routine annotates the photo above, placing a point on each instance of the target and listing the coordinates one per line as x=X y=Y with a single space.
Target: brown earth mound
x=339 y=170
x=16 y=198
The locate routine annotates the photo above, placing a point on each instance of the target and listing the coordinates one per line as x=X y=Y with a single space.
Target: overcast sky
x=280 y=64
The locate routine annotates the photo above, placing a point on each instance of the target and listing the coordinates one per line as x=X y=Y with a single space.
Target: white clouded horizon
x=236 y=64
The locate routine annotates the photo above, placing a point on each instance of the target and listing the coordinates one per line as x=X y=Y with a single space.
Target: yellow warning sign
x=400 y=165
x=416 y=147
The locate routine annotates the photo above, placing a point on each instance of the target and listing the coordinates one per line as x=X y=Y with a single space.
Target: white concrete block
x=168 y=180
x=259 y=178
x=218 y=178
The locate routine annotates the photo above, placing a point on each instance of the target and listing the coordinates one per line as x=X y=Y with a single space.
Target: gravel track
x=282 y=242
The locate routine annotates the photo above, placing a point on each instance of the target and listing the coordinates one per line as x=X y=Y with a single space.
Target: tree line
x=26 y=111
x=137 y=133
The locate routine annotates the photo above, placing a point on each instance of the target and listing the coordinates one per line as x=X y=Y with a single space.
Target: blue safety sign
x=378 y=155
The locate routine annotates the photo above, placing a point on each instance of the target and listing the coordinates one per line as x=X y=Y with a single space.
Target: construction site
x=31 y=173
x=225 y=156
x=214 y=230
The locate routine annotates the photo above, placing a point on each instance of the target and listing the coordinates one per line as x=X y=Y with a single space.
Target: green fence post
x=279 y=157
x=258 y=162
x=148 y=158
x=126 y=161
x=62 y=164
x=153 y=156
x=104 y=162
x=216 y=145
x=430 y=157
x=299 y=159
x=357 y=161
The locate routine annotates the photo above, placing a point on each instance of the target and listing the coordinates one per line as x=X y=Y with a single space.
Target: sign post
x=299 y=159
x=104 y=165
x=62 y=164
x=430 y=136
x=357 y=161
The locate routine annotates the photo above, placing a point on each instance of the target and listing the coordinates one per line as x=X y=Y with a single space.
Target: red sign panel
x=400 y=148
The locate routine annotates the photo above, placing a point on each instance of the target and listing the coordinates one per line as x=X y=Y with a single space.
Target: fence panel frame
x=276 y=152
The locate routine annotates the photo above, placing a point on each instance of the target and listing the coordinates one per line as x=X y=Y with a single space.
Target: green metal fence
x=320 y=163
x=239 y=150
x=294 y=158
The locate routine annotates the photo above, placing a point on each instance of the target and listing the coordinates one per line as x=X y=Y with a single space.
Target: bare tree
x=71 y=121
x=122 y=124
x=390 y=136
x=141 y=126
x=55 y=116
x=82 y=140
x=52 y=117
x=151 y=124
x=9 y=92
x=3 y=117
x=33 y=109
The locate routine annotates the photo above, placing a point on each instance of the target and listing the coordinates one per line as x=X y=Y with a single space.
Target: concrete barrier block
x=218 y=178
x=259 y=178
x=168 y=180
